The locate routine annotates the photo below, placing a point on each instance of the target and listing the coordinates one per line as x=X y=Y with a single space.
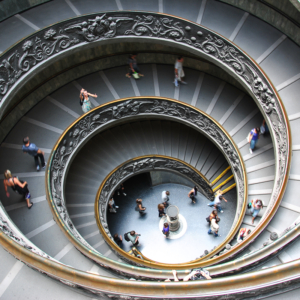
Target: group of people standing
x=17 y=185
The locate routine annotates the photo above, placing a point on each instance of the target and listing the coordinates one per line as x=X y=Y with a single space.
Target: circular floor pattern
x=153 y=243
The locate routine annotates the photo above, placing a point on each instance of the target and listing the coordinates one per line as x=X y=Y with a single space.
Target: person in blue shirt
x=34 y=151
x=253 y=137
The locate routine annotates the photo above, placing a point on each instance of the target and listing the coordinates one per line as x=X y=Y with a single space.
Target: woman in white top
x=84 y=99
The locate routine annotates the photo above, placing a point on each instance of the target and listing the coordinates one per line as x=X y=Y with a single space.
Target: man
x=242 y=234
x=179 y=73
x=217 y=202
x=214 y=227
x=133 y=237
x=165 y=198
x=112 y=206
x=197 y=274
x=34 y=151
x=118 y=239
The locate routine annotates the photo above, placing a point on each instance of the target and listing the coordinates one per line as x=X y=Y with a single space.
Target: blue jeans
x=211 y=204
x=252 y=144
x=210 y=232
x=254 y=212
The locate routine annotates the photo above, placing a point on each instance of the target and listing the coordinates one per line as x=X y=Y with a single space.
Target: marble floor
x=153 y=243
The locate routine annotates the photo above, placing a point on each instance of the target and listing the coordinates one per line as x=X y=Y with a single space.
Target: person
x=165 y=198
x=134 y=252
x=85 y=100
x=134 y=237
x=213 y=215
x=133 y=67
x=197 y=274
x=179 y=73
x=256 y=207
x=217 y=202
x=252 y=138
x=161 y=210
x=214 y=227
x=242 y=234
x=264 y=129
x=112 y=206
x=166 y=229
x=34 y=151
x=18 y=186
x=118 y=239
x=121 y=189
x=192 y=194
x=139 y=207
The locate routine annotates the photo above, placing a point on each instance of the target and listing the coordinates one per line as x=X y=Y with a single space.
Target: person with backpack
x=192 y=194
x=213 y=215
x=133 y=237
x=17 y=186
x=85 y=100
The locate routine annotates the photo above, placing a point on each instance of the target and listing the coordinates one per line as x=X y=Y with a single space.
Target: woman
x=139 y=207
x=242 y=234
x=133 y=67
x=252 y=138
x=84 y=99
x=166 y=229
x=18 y=186
x=161 y=210
x=256 y=207
x=192 y=194
x=213 y=215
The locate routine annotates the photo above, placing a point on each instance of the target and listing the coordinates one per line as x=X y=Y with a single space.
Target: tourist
x=17 y=186
x=179 y=73
x=264 y=129
x=118 y=239
x=197 y=274
x=242 y=234
x=161 y=210
x=133 y=237
x=214 y=227
x=257 y=205
x=192 y=194
x=85 y=100
x=213 y=215
x=133 y=67
x=217 y=202
x=166 y=229
x=165 y=198
x=139 y=207
x=34 y=151
x=253 y=136
x=121 y=190
x=112 y=206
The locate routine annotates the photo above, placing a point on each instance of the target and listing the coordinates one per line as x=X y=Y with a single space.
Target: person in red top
x=242 y=234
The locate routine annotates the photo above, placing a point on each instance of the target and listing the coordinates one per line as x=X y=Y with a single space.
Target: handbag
x=249 y=205
x=136 y=75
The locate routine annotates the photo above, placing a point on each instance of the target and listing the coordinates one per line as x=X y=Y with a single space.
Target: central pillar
x=173 y=217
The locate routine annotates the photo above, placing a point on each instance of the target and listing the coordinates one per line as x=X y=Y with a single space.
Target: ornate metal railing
x=102 y=117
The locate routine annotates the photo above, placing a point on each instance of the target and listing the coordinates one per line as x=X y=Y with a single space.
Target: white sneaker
x=37 y=168
x=117 y=206
x=221 y=211
x=250 y=150
x=124 y=194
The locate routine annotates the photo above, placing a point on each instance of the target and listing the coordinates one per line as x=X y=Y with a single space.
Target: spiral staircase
x=210 y=90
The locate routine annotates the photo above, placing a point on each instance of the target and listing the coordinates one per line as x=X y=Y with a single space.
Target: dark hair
x=179 y=57
x=166 y=224
x=221 y=197
x=138 y=200
x=215 y=212
x=257 y=129
x=160 y=206
x=167 y=192
x=132 y=232
x=218 y=220
x=115 y=235
x=249 y=231
x=25 y=140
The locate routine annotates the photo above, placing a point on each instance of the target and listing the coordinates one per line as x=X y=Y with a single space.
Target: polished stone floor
x=153 y=243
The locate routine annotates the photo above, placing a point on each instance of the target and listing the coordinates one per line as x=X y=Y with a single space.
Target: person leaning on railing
x=196 y=274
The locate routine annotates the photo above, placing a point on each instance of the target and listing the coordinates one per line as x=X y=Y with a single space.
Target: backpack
x=126 y=237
